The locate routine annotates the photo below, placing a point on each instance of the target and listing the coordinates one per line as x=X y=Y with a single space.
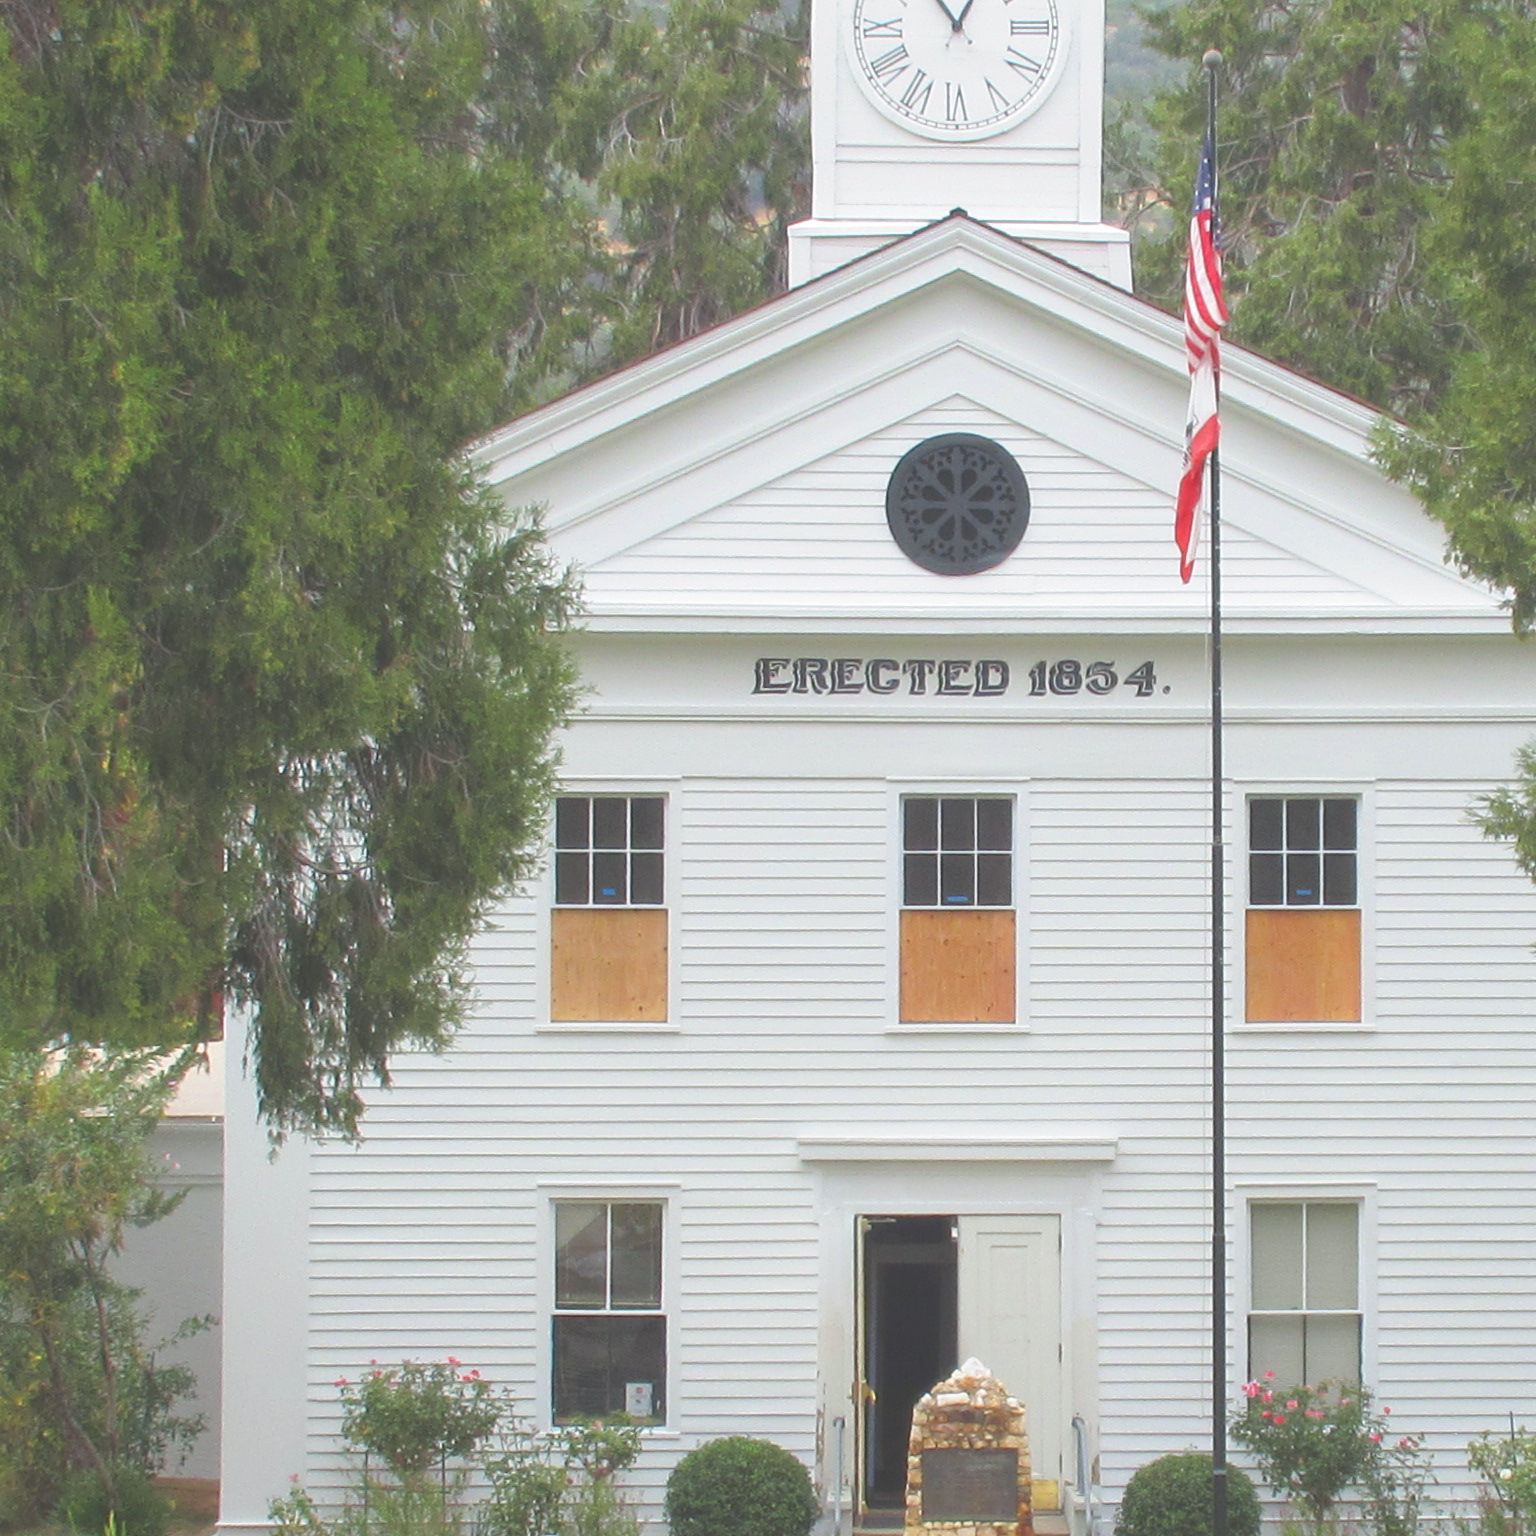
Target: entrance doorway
x=910 y=1336
x=934 y=1290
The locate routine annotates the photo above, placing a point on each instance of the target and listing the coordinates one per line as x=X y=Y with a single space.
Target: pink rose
x=1279 y=1418
x=1293 y=1404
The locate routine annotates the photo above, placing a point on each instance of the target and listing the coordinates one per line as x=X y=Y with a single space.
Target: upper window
x=1304 y=1322
x=608 y=850
x=1302 y=934
x=609 y=1333
x=957 y=851
x=1302 y=851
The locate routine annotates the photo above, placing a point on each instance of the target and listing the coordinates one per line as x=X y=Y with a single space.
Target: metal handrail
x=1085 y=1472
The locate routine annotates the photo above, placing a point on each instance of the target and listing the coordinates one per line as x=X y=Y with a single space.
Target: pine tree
x=279 y=681
x=1335 y=117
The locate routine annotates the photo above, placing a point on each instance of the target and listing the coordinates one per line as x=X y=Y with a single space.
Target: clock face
x=956 y=69
x=957 y=504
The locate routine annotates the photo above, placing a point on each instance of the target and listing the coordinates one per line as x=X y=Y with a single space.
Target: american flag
x=1204 y=315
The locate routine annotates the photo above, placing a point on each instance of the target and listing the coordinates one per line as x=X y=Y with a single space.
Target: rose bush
x=1314 y=1442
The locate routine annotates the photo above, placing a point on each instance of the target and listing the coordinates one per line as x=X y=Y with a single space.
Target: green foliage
x=1335 y=117
x=415 y=1416
x=83 y=1390
x=279 y=679
x=740 y=1487
x=1507 y=1466
x=134 y=1507
x=1313 y=1443
x=1172 y=1497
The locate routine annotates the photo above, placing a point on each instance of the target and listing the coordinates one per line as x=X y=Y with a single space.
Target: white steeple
x=921 y=107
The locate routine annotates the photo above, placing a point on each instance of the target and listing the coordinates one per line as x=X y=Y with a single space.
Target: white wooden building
x=861 y=1021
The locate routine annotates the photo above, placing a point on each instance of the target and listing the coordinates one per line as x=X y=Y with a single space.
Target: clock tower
x=922 y=106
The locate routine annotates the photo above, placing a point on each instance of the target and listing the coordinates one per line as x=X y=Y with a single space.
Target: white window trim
x=1243 y=1195
x=1241 y=791
x=544 y=891
x=898 y=790
x=667 y=1194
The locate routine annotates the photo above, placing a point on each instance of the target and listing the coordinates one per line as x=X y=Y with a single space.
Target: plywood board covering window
x=608 y=931
x=958 y=967
x=1302 y=937
x=1303 y=967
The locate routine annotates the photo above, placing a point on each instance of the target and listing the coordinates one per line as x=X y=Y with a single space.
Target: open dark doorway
x=909 y=1336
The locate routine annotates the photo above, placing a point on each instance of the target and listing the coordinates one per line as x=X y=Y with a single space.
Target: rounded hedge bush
x=740 y=1487
x=1172 y=1497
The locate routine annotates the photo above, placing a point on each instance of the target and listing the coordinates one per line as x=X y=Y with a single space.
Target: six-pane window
x=610 y=1333
x=1304 y=1321
x=957 y=851
x=608 y=850
x=1302 y=851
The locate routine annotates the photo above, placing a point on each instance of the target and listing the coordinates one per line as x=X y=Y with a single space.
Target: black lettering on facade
x=769 y=677
x=846 y=675
x=991 y=679
x=952 y=678
x=918 y=673
x=810 y=674
x=876 y=680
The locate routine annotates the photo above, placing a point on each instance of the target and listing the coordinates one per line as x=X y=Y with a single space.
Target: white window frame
x=672 y=888
x=668 y=1195
x=994 y=787
x=1244 y=1196
x=1363 y=792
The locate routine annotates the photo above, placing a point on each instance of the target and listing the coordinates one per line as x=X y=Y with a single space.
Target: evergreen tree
x=1335 y=118
x=279 y=682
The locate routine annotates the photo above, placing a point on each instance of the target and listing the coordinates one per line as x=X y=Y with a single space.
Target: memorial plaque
x=970 y=1486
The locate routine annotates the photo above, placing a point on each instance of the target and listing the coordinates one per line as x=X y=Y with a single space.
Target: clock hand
x=959 y=20
x=943 y=6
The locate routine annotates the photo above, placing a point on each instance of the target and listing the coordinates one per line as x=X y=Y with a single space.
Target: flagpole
x=1212 y=62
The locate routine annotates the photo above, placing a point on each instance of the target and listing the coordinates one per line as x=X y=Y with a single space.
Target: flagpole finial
x=1212 y=58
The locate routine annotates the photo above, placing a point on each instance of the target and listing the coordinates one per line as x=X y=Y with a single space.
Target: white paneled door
x=1010 y=1319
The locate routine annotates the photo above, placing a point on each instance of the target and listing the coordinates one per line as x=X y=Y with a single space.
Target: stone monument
x=968 y=1471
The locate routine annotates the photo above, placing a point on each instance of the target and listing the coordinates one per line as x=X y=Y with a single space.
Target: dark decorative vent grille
x=957 y=504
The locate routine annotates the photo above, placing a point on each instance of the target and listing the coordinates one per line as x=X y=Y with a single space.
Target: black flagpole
x=1212 y=62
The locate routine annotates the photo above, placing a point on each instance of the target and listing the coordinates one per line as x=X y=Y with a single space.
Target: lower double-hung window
x=1304 y=1321
x=609 y=1331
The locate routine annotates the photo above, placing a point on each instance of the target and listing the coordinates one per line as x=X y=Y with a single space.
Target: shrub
x=1507 y=1466
x=740 y=1487
x=1172 y=1497
x=135 y=1507
x=415 y=1416
x=1312 y=1443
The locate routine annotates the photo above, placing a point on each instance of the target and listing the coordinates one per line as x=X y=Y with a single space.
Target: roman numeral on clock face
x=915 y=97
x=1029 y=28
x=1022 y=64
x=954 y=103
x=999 y=101
x=891 y=28
x=890 y=63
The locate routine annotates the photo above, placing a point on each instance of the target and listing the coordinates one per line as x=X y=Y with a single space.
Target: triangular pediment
x=742 y=475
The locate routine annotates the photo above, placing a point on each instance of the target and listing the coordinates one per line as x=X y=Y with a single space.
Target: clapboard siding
x=425 y=1240
x=819 y=531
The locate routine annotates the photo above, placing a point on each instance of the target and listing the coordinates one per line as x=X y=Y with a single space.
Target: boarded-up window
x=608 y=932
x=1302 y=936
x=1304 y=1320
x=609 y=1332
x=958 y=934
